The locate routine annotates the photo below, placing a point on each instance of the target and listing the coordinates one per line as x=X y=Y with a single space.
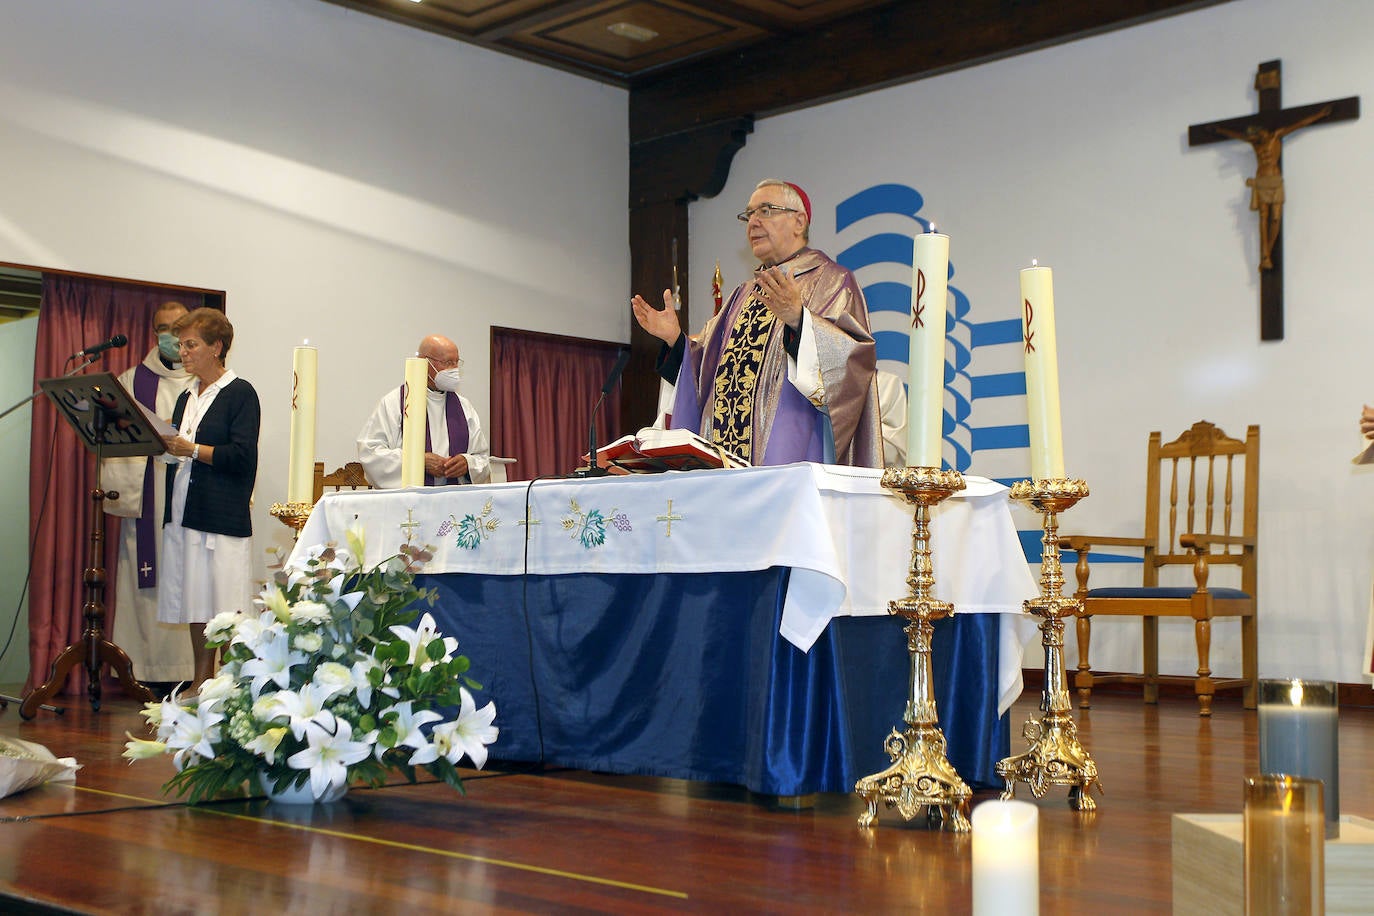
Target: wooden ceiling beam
x=869 y=50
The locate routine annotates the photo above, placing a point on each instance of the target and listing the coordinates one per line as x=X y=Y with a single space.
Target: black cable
x=525 y=610
x=33 y=543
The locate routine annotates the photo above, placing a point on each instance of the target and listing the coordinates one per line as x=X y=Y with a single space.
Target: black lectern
x=111 y=425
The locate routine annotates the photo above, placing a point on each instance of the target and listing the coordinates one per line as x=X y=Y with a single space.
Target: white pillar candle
x=1042 y=373
x=1006 y=859
x=300 y=477
x=925 y=424
x=413 y=436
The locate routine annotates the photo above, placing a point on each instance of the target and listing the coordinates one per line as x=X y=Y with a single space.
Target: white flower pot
x=299 y=795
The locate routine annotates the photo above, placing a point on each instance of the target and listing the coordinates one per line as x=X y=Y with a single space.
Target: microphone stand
x=593 y=469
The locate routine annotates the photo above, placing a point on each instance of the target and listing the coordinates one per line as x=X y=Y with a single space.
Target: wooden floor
x=571 y=842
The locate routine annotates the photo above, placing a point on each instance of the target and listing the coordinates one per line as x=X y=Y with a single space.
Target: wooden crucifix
x=1264 y=131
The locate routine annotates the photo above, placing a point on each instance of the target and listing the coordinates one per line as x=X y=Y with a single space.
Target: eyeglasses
x=763 y=211
x=445 y=363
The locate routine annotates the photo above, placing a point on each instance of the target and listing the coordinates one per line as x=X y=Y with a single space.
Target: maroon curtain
x=543 y=389
x=75 y=312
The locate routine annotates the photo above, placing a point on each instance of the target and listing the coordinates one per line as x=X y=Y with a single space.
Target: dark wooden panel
x=879 y=47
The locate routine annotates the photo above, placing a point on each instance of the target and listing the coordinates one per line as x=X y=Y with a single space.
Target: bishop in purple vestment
x=785 y=371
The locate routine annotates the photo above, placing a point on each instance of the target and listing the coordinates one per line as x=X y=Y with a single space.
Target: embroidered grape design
x=621 y=522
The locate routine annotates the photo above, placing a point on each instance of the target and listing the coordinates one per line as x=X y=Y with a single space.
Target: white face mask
x=448 y=379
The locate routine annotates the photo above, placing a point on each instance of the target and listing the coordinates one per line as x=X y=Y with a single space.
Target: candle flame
x=1295 y=693
x=932 y=225
x=306 y=342
x=1035 y=262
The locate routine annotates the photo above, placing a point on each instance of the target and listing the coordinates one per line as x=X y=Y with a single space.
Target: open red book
x=652 y=450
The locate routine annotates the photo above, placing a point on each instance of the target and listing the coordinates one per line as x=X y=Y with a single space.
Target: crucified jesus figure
x=1266 y=188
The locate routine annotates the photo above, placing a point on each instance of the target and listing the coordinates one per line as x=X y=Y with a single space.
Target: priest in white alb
x=456 y=449
x=160 y=652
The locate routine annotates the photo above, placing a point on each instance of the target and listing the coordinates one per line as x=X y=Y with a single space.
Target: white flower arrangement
x=334 y=681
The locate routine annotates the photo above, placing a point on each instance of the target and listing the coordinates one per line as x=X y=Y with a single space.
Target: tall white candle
x=413 y=437
x=925 y=422
x=300 y=477
x=1006 y=859
x=1042 y=373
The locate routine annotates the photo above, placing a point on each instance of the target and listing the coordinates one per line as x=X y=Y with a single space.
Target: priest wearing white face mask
x=159 y=651
x=456 y=449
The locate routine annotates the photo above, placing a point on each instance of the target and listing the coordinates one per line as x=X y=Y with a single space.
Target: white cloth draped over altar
x=846 y=539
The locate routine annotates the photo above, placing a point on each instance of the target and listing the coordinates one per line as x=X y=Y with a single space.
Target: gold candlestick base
x=921 y=776
x=293 y=515
x=1055 y=756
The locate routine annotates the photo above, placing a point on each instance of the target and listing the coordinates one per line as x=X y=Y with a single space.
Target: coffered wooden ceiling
x=623 y=41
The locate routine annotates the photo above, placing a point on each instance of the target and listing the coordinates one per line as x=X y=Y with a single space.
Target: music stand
x=111 y=425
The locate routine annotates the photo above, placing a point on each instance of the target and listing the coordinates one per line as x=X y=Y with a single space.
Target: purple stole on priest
x=454 y=419
x=146 y=382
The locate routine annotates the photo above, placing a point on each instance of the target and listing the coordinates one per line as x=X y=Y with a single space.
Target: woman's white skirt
x=203 y=574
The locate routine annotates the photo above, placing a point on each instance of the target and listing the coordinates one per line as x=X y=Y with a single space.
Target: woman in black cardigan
x=207 y=527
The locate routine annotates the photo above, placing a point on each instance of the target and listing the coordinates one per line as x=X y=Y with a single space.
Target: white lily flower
x=408 y=724
x=140 y=749
x=303 y=707
x=469 y=734
x=266 y=744
x=273 y=663
x=355 y=539
x=195 y=732
x=274 y=600
x=330 y=753
x=420 y=636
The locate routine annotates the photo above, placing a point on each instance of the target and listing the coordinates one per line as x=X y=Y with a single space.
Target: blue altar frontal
x=727 y=626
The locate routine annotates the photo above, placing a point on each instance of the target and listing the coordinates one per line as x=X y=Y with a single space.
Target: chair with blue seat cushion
x=1206 y=516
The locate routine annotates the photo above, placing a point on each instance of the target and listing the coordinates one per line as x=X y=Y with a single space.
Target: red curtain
x=543 y=389
x=75 y=312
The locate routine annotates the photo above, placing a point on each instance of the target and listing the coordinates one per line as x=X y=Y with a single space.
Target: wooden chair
x=351 y=475
x=1192 y=523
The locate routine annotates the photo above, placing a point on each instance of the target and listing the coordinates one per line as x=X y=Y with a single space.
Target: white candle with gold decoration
x=1042 y=373
x=925 y=426
x=300 y=477
x=413 y=437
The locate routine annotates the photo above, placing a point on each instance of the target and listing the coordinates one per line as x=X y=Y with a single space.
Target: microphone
x=115 y=342
x=593 y=469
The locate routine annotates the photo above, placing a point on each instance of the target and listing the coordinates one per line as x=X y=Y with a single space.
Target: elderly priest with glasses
x=785 y=372
x=456 y=449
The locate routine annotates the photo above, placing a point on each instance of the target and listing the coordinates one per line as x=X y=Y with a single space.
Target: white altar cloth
x=846 y=539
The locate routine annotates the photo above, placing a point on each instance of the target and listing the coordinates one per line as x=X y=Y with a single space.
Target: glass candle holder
x=1006 y=859
x=1298 y=736
x=1285 y=846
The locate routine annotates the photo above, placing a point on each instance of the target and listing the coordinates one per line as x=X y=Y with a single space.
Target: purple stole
x=454 y=419
x=146 y=382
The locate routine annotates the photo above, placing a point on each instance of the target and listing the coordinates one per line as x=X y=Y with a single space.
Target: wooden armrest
x=1087 y=542
x=1203 y=541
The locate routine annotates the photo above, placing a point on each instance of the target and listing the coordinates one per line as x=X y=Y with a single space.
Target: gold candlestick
x=1055 y=756
x=920 y=775
x=293 y=515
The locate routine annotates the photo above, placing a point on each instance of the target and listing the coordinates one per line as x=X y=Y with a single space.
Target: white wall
x=1078 y=155
x=342 y=178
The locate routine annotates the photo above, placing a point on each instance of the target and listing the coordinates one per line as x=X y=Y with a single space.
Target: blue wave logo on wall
x=985 y=377
x=881 y=221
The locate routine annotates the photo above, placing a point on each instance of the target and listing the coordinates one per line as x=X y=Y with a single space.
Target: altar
x=726 y=625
